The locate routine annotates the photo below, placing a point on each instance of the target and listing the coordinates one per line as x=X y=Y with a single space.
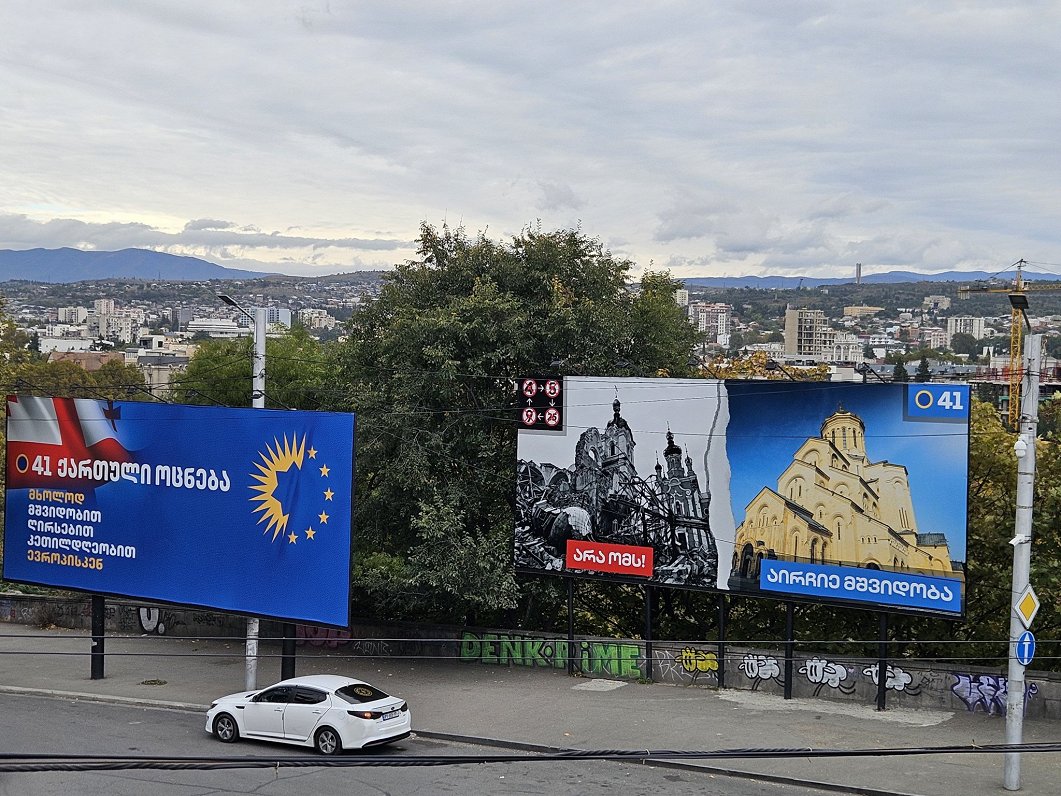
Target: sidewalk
x=549 y=709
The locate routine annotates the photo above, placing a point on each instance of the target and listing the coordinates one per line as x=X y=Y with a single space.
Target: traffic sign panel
x=1024 y=649
x=1027 y=606
x=542 y=404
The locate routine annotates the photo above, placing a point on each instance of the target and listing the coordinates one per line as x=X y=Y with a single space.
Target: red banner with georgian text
x=620 y=559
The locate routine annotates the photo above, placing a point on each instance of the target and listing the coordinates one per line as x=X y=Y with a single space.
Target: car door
x=264 y=715
x=304 y=712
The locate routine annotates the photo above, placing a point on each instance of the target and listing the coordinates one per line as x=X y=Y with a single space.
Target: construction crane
x=1018 y=288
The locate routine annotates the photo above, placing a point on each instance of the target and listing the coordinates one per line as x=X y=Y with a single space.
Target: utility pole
x=1022 y=553
x=257 y=402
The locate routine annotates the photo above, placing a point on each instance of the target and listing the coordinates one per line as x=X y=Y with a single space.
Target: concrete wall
x=969 y=688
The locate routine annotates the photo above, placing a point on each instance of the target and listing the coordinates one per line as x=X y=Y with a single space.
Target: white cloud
x=726 y=137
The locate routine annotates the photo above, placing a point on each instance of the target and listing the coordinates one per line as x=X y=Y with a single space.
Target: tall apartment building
x=681 y=297
x=72 y=315
x=806 y=333
x=280 y=315
x=964 y=324
x=179 y=317
x=714 y=319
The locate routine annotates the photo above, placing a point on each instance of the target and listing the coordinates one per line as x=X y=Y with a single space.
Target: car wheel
x=327 y=741
x=225 y=728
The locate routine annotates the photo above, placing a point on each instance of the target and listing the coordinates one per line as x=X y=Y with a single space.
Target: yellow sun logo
x=281 y=456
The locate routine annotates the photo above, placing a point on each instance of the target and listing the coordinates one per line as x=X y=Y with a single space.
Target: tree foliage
x=430 y=368
x=924 y=373
x=759 y=365
x=221 y=373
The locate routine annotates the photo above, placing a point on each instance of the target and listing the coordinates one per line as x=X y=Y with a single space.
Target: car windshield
x=362 y=692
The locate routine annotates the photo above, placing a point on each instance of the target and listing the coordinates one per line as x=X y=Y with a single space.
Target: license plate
x=392 y=715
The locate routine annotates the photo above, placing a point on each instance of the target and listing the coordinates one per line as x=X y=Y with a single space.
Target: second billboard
x=835 y=492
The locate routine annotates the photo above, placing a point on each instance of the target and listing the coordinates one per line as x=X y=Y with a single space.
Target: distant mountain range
x=75 y=265
x=891 y=277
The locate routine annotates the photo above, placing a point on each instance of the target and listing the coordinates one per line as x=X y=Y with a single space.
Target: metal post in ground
x=570 y=625
x=1022 y=553
x=287 y=652
x=790 y=646
x=721 y=640
x=648 y=632
x=882 y=662
x=99 y=627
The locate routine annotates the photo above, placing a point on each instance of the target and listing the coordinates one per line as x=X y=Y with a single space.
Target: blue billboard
x=241 y=510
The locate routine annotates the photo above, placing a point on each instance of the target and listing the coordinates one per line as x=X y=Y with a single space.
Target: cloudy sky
x=711 y=138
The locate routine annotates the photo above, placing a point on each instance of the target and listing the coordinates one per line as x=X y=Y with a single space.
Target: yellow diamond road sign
x=1027 y=606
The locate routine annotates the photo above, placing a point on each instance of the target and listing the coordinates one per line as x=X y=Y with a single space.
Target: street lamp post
x=257 y=402
x=1022 y=539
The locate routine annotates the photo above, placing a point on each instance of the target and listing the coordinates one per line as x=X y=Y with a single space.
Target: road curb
x=107 y=698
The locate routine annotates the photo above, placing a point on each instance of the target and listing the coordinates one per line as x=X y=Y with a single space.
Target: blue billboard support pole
x=287 y=652
x=882 y=662
x=721 y=640
x=790 y=646
x=648 y=632
x=570 y=625
x=99 y=627
x=1024 y=449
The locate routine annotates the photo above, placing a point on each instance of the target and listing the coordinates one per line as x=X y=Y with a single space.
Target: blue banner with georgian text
x=857 y=584
x=241 y=510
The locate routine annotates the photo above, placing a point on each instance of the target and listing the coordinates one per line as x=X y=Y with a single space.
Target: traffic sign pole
x=1021 y=610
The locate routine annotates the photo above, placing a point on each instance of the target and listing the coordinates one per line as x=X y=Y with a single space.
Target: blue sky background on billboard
x=769 y=421
x=721 y=138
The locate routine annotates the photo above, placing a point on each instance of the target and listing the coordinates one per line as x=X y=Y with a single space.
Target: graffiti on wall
x=163 y=622
x=897 y=679
x=689 y=665
x=761 y=669
x=988 y=692
x=332 y=638
x=605 y=658
x=822 y=672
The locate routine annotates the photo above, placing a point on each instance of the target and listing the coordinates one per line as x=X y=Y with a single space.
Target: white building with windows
x=964 y=324
x=713 y=319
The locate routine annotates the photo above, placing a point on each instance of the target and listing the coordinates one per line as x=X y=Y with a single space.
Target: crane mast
x=1018 y=298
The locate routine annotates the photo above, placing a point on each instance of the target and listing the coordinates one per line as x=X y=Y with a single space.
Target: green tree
x=964 y=343
x=116 y=380
x=899 y=373
x=430 y=366
x=221 y=372
x=923 y=373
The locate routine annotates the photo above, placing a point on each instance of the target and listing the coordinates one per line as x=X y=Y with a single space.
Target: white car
x=326 y=711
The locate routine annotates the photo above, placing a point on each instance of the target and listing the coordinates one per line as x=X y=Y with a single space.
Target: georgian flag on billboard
x=42 y=431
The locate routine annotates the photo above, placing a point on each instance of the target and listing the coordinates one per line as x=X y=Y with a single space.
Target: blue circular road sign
x=1025 y=648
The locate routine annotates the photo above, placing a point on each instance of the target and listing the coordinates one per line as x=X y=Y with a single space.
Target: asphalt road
x=39 y=725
